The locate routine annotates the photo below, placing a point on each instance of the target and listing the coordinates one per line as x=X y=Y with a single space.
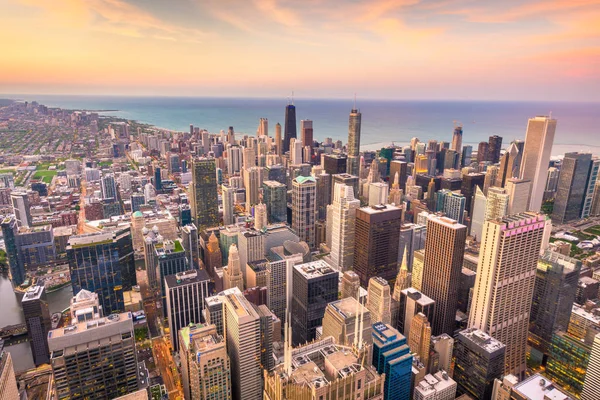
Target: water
x=12 y=314
x=383 y=122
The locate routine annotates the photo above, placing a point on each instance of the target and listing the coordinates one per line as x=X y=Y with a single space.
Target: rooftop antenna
x=354 y=100
x=292 y=97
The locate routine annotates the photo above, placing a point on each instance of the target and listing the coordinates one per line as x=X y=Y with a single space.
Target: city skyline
x=410 y=49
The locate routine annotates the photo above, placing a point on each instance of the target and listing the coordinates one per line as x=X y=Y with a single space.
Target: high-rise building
x=242 y=329
x=457 y=139
x=21 y=208
x=495 y=145
x=479 y=361
x=228 y=197
x=278 y=141
x=482 y=152
x=478 y=213
x=377 y=235
x=304 y=208
x=103 y=263
x=497 y=203
x=400 y=168
x=289 y=126
x=391 y=355
x=518 y=192
x=275 y=198
x=343 y=224
x=306 y=131
x=536 y=157
x=94 y=359
x=232 y=273
x=350 y=285
x=252 y=184
x=592 y=376
x=505 y=281
x=442 y=266
x=234 y=159
x=10 y=232
x=452 y=204
x=185 y=292
x=465 y=158
x=592 y=182
x=108 y=187
x=37 y=319
x=419 y=339
x=205 y=202
x=8 y=382
x=556 y=282
x=346 y=320
x=444 y=347
x=315 y=285
x=413 y=302
x=509 y=167
x=189 y=240
x=568 y=361
x=435 y=387
x=205 y=365
x=572 y=185
x=491 y=174
x=170 y=259
x=85 y=306
x=468 y=187
x=354 y=125
x=379 y=300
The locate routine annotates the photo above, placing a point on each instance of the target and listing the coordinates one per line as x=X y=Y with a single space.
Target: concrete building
x=304 y=208
x=436 y=387
x=37 y=320
x=379 y=300
x=518 y=191
x=496 y=204
x=413 y=302
x=343 y=227
x=232 y=273
x=8 y=383
x=343 y=318
x=419 y=339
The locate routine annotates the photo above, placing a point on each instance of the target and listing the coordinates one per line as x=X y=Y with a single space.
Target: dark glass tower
x=289 y=127
x=494 y=147
x=571 y=189
x=157 y=179
x=17 y=271
x=37 y=319
x=103 y=263
x=205 y=201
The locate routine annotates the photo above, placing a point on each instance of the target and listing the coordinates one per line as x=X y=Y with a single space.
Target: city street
x=166 y=366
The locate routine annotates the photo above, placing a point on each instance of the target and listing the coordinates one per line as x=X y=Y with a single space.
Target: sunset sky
x=405 y=49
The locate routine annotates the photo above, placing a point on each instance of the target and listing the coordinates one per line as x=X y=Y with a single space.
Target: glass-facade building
x=568 y=362
x=392 y=356
x=205 y=201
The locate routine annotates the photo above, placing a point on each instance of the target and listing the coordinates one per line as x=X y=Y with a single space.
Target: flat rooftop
x=315 y=269
x=482 y=340
x=538 y=387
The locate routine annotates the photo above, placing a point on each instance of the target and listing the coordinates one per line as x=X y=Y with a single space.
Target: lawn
x=46 y=176
x=594 y=230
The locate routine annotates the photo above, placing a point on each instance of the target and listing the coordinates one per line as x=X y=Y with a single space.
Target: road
x=83 y=192
x=166 y=366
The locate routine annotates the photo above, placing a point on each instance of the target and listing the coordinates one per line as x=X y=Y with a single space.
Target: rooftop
x=482 y=340
x=347 y=307
x=538 y=387
x=33 y=293
x=315 y=269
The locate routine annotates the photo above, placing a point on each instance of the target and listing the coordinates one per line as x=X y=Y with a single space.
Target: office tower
x=345 y=179
x=592 y=181
x=260 y=216
x=306 y=131
x=478 y=214
x=400 y=168
x=435 y=387
x=324 y=193
x=230 y=135
x=342 y=228
x=103 y=263
x=232 y=273
x=204 y=198
x=444 y=347
x=21 y=208
x=234 y=159
x=452 y=204
x=595 y=208
x=157 y=179
x=465 y=158
x=491 y=174
x=94 y=359
x=275 y=198
x=592 y=377
x=278 y=142
x=412 y=238
x=263 y=127
x=391 y=355
x=417 y=271
x=568 y=361
x=37 y=319
x=509 y=167
x=379 y=300
x=419 y=339
x=137 y=200
x=442 y=265
x=479 y=361
x=495 y=145
x=243 y=334
x=10 y=232
x=377 y=235
x=108 y=187
x=186 y=292
x=350 y=285
x=536 y=157
x=279 y=273
x=205 y=365
x=467 y=188
x=228 y=198
x=252 y=183
x=556 y=281
x=304 y=208
x=505 y=280
x=457 y=139
x=572 y=185
x=289 y=126
x=413 y=302
x=8 y=382
x=518 y=191
x=315 y=285
x=348 y=322
x=497 y=203
x=584 y=321
x=296 y=150
x=189 y=240
x=378 y=193
x=323 y=368
x=85 y=306
x=482 y=152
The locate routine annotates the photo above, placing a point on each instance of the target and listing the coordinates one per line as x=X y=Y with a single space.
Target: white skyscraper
x=304 y=208
x=234 y=159
x=296 y=148
x=518 y=192
x=479 y=211
x=378 y=193
x=20 y=203
x=342 y=227
x=505 y=280
x=228 y=197
x=536 y=157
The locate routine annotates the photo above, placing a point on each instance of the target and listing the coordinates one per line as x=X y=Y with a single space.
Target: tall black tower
x=290 y=126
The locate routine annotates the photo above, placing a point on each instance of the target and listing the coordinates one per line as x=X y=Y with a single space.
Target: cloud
x=277 y=13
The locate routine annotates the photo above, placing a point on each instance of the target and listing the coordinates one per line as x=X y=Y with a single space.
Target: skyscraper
x=497 y=203
x=346 y=320
x=354 y=125
x=413 y=302
x=185 y=293
x=189 y=240
x=205 y=365
x=94 y=359
x=479 y=361
x=478 y=213
x=37 y=319
x=518 y=192
x=495 y=145
x=304 y=208
x=21 y=208
x=509 y=167
x=442 y=266
x=592 y=181
x=289 y=126
x=505 y=281
x=379 y=299
x=9 y=232
x=232 y=273
x=391 y=355
x=275 y=198
x=592 y=377
x=536 y=157
x=8 y=382
x=315 y=285
x=306 y=130
x=278 y=142
x=377 y=235
x=204 y=197
x=343 y=224
x=457 y=139
x=103 y=263
x=419 y=339
x=482 y=152
x=228 y=197
x=108 y=187
x=572 y=185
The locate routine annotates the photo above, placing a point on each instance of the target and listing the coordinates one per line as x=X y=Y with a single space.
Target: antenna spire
x=292 y=97
x=355 y=100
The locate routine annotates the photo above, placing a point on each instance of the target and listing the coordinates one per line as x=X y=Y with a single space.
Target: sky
x=386 y=49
